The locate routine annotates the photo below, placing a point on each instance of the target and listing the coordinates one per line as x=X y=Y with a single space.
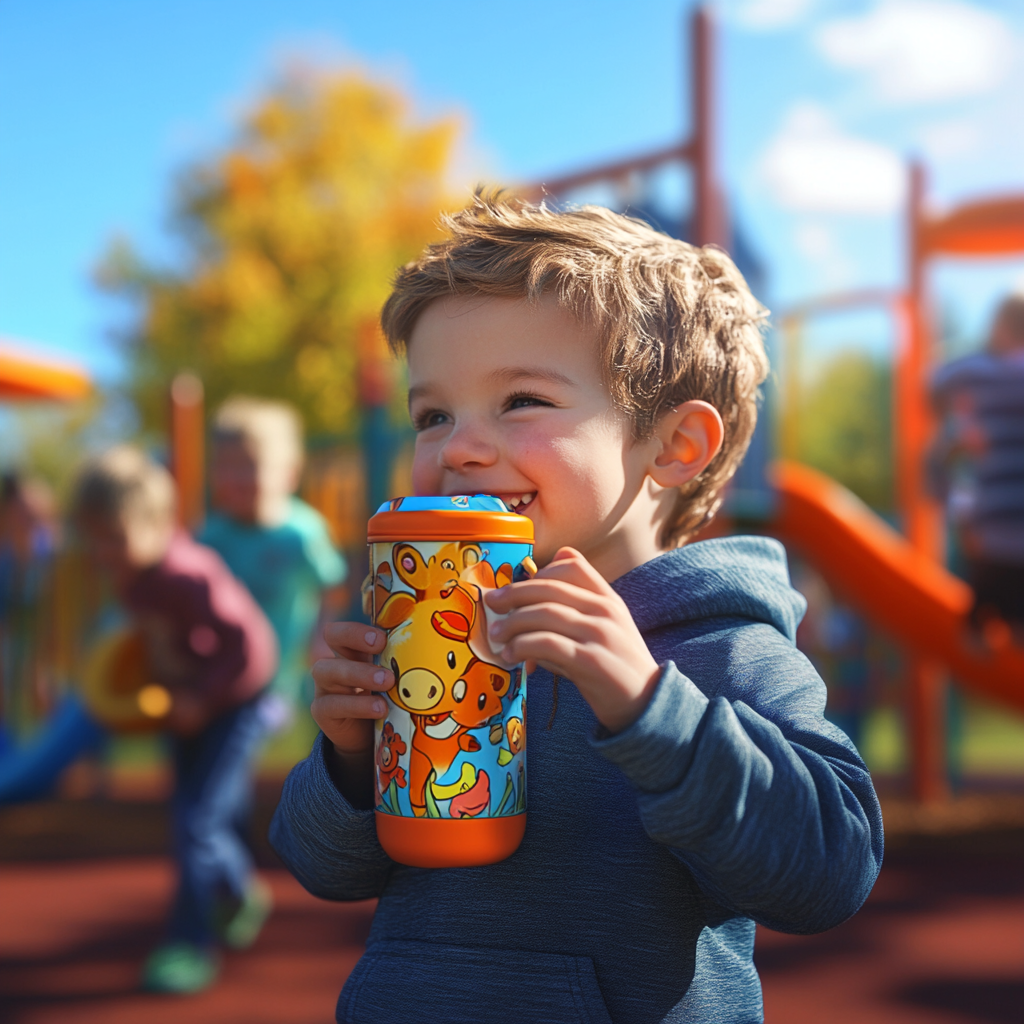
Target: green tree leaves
x=290 y=238
x=846 y=426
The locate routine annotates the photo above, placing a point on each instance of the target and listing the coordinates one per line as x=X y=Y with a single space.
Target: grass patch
x=992 y=741
x=285 y=749
x=984 y=739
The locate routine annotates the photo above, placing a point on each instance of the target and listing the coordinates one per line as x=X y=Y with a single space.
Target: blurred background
x=218 y=194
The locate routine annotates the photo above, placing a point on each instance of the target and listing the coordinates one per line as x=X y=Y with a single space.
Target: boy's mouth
x=518 y=502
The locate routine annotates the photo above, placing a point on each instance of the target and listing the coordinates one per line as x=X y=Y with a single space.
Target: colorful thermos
x=450 y=755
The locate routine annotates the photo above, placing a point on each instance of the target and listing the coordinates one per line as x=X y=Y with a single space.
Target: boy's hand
x=346 y=700
x=570 y=621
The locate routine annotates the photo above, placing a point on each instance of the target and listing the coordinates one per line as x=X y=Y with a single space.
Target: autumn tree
x=290 y=237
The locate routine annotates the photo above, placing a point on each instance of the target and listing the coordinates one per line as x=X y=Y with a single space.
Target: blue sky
x=101 y=101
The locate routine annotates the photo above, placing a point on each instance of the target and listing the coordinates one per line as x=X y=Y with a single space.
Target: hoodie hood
x=744 y=577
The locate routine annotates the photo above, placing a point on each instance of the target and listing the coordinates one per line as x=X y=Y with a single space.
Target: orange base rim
x=449 y=842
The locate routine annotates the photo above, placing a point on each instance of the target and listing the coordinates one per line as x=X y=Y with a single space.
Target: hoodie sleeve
x=330 y=846
x=766 y=803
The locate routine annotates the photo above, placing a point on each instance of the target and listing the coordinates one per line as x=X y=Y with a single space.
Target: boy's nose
x=467 y=448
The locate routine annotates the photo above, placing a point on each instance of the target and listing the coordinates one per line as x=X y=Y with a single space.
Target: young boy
x=602 y=378
x=210 y=645
x=276 y=544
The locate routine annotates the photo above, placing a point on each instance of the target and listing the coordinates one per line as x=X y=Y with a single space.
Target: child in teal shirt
x=276 y=544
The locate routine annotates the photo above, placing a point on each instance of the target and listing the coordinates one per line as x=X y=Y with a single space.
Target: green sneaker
x=245 y=925
x=180 y=968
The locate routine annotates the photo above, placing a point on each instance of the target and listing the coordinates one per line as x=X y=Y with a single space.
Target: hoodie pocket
x=422 y=982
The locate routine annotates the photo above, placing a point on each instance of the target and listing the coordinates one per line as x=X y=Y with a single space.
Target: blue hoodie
x=648 y=854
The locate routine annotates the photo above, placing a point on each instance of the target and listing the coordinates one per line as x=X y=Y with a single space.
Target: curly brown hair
x=676 y=322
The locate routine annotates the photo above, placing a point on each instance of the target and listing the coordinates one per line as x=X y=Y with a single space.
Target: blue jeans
x=211 y=802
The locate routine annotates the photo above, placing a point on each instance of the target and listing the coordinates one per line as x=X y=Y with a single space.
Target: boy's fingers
x=341 y=674
x=548 y=617
x=339 y=706
x=354 y=640
x=554 y=652
x=574 y=574
x=569 y=565
x=537 y=590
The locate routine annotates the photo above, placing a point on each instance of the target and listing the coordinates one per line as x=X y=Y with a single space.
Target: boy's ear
x=690 y=436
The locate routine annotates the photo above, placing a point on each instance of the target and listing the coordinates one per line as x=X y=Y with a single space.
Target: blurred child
x=602 y=379
x=276 y=544
x=210 y=645
x=977 y=465
x=28 y=540
x=28 y=517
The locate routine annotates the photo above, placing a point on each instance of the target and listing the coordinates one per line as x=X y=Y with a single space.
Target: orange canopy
x=992 y=227
x=24 y=376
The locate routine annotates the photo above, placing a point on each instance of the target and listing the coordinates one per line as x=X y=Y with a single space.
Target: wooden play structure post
x=709 y=217
x=791 y=328
x=710 y=220
x=921 y=514
x=188 y=437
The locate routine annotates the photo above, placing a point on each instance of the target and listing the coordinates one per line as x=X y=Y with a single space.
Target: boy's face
x=247 y=486
x=508 y=398
x=122 y=548
x=235 y=480
x=1005 y=338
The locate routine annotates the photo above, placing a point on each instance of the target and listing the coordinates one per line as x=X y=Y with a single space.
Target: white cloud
x=817 y=243
x=946 y=140
x=767 y=15
x=920 y=51
x=813 y=166
x=814 y=240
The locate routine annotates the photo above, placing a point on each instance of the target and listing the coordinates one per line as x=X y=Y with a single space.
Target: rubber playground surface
x=940 y=941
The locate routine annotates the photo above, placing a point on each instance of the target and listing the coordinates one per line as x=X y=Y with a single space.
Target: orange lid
x=449 y=524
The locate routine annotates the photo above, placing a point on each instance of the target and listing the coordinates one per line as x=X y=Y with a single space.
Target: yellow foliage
x=291 y=237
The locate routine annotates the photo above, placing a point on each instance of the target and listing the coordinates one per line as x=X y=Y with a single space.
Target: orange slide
x=910 y=597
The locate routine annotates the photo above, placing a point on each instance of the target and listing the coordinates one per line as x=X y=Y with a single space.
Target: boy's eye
x=430 y=418
x=524 y=401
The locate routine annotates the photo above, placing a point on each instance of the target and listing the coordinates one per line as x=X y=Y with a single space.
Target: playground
x=84 y=887
x=85 y=871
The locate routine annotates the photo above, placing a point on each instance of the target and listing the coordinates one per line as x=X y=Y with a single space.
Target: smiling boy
x=601 y=378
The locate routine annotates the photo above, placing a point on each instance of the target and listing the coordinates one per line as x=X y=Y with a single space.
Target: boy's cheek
x=426 y=479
